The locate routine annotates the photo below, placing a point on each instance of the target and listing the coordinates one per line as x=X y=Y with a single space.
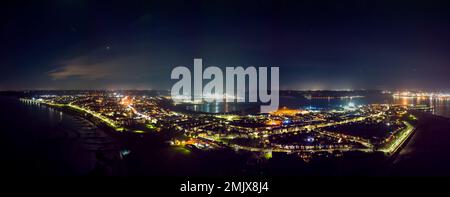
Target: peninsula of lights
x=366 y=128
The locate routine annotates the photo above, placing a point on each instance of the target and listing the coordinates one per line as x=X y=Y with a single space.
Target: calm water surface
x=37 y=140
x=441 y=107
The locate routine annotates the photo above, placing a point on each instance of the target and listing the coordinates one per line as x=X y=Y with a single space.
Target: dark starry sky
x=76 y=44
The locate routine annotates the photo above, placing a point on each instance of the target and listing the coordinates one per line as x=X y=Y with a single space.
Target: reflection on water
x=441 y=106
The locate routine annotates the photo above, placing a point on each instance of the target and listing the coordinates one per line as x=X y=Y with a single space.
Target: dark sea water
x=37 y=140
x=426 y=154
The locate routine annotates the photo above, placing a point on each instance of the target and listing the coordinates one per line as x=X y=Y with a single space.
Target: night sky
x=76 y=44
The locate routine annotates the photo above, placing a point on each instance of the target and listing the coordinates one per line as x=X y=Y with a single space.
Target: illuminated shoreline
x=284 y=122
x=419 y=95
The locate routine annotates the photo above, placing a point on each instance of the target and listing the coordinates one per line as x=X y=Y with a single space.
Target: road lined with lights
x=398 y=142
x=227 y=131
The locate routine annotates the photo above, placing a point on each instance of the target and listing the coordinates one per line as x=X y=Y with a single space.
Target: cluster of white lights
x=421 y=94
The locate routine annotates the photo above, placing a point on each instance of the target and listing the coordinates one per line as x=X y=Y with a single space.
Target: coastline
x=51 y=141
x=424 y=154
x=106 y=154
x=100 y=123
x=111 y=127
x=391 y=159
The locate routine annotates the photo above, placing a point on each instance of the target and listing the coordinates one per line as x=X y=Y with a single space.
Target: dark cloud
x=316 y=44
